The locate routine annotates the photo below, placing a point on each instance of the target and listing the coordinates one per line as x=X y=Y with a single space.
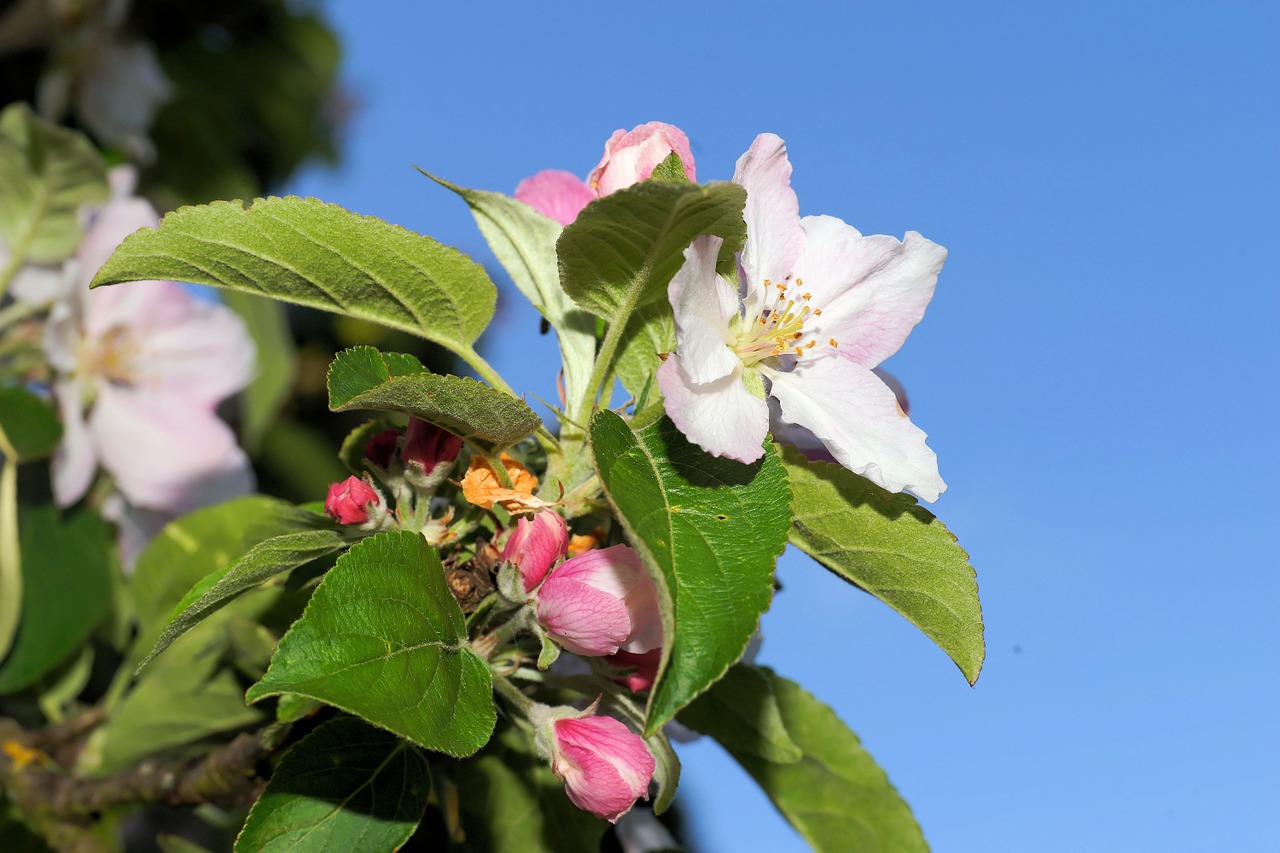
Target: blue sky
x=1097 y=371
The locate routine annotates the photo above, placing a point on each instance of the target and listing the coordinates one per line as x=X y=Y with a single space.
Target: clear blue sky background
x=1097 y=373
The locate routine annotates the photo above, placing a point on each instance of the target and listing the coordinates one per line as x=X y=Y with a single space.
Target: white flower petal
x=74 y=462
x=722 y=417
x=165 y=456
x=704 y=304
x=204 y=358
x=774 y=237
x=857 y=417
x=872 y=289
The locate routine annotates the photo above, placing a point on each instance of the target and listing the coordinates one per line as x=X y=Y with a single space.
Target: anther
x=832 y=341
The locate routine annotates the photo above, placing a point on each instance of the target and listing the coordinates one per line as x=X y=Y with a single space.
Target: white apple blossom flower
x=818 y=307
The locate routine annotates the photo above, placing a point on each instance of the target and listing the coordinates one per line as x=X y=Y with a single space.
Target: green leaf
x=836 y=796
x=277 y=365
x=710 y=531
x=197 y=545
x=363 y=378
x=262 y=562
x=524 y=242
x=29 y=427
x=346 y=787
x=895 y=549
x=651 y=332
x=319 y=255
x=384 y=639
x=66 y=590
x=742 y=712
x=511 y=802
x=184 y=696
x=47 y=174
x=670 y=169
x=178 y=844
x=624 y=248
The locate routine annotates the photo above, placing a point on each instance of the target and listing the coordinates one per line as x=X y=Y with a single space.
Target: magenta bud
x=605 y=766
x=535 y=545
x=428 y=445
x=348 y=502
x=382 y=447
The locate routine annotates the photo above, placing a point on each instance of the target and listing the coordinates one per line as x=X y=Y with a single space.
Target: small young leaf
x=363 y=378
x=66 y=590
x=29 y=427
x=624 y=248
x=710 y=531
x=383 y=638
x=524 y=242
x=741 y=711
x=319 y=255
x=511 y=802
x=890 y=546
x=670 y=169
x=263 y=561
x=345 y=788
x=835 y=795
x=47 y=174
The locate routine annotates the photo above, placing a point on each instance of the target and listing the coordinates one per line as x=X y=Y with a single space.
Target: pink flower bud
x=382 y=447
x=555 y=194
x=535 y=545
x=645 y=666
x=599 y=602
x=428 y=445
x=605 y=766
x=349 y=501
x=631 y=156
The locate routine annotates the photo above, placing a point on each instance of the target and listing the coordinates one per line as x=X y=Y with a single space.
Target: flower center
x=780 y=328
x=112 y=358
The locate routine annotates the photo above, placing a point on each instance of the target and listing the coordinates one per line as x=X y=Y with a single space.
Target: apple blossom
x=605 y=766
x=535 y=545
x=428 y=446
x=643 y=668
x=818 y=307
x=140 y=371
x=350 y=501
x=630 y=156
x=600 y=602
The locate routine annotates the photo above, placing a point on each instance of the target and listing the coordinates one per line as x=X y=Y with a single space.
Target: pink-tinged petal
x=605 y=766
x=857 y=417
x=722 y=417
x=582 y=618
x=631 y=156
x=535 y=545
x=75 y=460
x=555 y=194
x=204 y=356
x=872 y=289
x=166 y=457
x=704 y=304
x=429 y=446
x=774 y=238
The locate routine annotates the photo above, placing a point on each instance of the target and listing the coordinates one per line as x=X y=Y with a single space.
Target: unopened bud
x=350 y=501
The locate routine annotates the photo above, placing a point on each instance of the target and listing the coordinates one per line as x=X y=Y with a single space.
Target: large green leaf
x=524 y=242
x=511 y=802
x=624 y=248
x=319 y=255
x=836 y=796
x=196 y=545
x=345 y=788
x=363 y=378
x=47 y=174
x=66 y=590
x=262 y=562
x=651 y=333
x=895 y=549
x=384 y=639
x=710 y=530
x=29 y=427
x=742 y=711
